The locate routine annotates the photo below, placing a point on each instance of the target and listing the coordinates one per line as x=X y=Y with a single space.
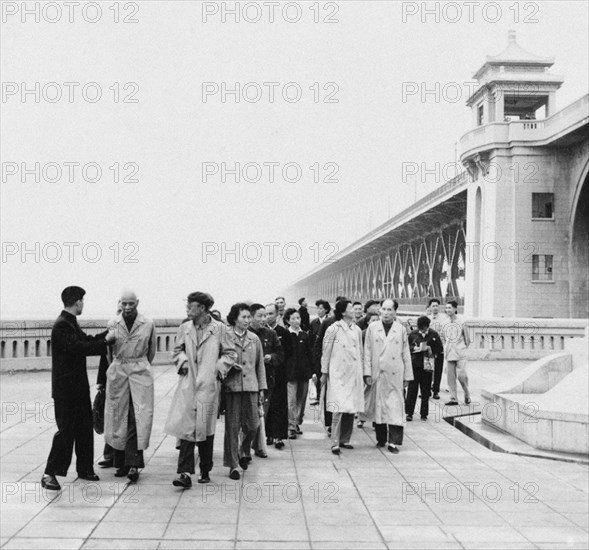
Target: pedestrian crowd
x=257 y=369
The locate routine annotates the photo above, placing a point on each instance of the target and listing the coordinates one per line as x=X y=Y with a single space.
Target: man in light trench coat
x=388 y=370
x=201 y=352
x=128 y=414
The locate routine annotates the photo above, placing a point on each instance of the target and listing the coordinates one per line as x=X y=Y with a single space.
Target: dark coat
x=432 y=339
x=70 y=346
x=299 y=362
x=270 y=346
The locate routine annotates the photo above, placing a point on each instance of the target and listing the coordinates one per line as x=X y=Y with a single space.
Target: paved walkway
x=443 y=491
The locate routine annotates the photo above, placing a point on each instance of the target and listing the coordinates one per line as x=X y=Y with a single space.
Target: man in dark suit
x=71 y=392
x=323 y=309
x=304 y=313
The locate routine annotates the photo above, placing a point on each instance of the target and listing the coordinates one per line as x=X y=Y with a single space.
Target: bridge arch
x=579 y=248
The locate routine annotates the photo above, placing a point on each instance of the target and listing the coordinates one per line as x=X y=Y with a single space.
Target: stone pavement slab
x=443 y=491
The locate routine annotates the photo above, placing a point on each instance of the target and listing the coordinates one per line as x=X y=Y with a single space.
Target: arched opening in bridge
x=579 y=256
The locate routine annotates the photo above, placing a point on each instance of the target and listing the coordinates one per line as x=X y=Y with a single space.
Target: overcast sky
x=351 y=129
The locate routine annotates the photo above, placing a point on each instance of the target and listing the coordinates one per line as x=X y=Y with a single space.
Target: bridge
x=508 y=237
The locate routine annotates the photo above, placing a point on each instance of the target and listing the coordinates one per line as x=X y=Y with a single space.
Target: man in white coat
x=128 y=412
x=341 y=369
x=388 y=370
x=202 y=350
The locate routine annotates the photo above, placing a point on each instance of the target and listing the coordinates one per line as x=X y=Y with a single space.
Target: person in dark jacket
x=299 y=368
x=277 y=417
x=323 y=309
x=273 y=360
x=425 y=345
x=304 y=313
x=71 y=392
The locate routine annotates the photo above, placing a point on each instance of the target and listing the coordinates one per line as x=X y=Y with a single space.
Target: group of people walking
x=255 y=369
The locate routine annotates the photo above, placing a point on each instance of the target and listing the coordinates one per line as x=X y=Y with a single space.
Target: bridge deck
x=365 y=499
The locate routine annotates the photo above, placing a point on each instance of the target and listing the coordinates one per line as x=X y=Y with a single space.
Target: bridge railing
x=26 y=345
x=523 y=130
x=517 y=338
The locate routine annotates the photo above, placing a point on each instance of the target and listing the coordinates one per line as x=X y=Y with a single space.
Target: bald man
x=128 y=414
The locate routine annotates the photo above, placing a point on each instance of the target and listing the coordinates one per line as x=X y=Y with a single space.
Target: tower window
x=543 y=205
x=542 y=267
x=480 y=115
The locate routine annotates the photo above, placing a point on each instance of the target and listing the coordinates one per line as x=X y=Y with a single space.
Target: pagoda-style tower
x=526 y=164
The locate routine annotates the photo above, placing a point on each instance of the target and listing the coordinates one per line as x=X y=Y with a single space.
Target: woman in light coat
x=341 y=367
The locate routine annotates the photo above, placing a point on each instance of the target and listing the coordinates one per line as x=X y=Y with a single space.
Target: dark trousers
x=74 y=430
x=108 y=452
x=267 y=400
x=422 y=381
x=327 y=415
x=394 y=434
x=438 y=370
x=205 y=455
x=131 y=457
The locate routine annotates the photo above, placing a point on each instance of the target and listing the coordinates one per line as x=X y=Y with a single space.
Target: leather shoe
x=50 y=483
x=335 y=450
x=269 y=440
x=298 y=431
x=133 y=474
x=409 y=417
x=346 y=446
x=452 y=403
x=243 y=462
x=234 y=474
x=183 y=480
x=106 y=463
x=436 y=395
x=393 y=449
x=204 y=478
x=380 y=444
x=261 y=454
x=122 y=472
x=279 y=444
x=91 y=476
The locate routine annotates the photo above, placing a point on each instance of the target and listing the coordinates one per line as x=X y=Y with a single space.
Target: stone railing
x=500 y=134
x=26 y=345
x=519 y=338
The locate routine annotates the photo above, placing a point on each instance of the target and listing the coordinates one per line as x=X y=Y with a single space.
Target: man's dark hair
x=423 y=322
x=202 y=298
x=453 y=303
x=370 y=303
x=395 y=305
x=71 y=295
x=288 y=314
x=325 y=304
x=340 y=307
x=370 y=316
x=235 y=310
x=432 y=300
x=357 y=304
x=339 y=298
x=301 y=300
x=256 y=307
x=272 y=305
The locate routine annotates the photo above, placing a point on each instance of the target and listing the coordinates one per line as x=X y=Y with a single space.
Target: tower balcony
x=499 y=135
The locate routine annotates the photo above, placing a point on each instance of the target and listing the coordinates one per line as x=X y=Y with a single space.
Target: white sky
x=170 y=212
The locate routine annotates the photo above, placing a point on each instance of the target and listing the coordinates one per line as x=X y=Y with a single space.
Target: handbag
x=98 y=411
